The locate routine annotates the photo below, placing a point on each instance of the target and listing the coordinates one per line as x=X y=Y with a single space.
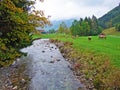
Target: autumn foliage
x=17 y=23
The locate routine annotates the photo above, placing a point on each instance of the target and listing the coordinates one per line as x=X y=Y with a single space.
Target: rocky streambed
x=44 y=68
x=14 y=77
x=48 y=69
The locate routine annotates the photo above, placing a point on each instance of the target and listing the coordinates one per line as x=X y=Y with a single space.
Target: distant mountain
x=56 y=23
x=111 y=18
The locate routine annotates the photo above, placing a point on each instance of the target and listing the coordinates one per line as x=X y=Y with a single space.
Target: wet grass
x=109 y=47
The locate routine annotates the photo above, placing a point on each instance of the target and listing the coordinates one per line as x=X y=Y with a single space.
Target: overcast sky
x=66 y=9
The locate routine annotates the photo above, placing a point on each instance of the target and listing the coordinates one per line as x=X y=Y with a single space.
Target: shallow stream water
x=48 y=69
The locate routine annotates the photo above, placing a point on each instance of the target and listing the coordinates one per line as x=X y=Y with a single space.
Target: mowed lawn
x=109 y=46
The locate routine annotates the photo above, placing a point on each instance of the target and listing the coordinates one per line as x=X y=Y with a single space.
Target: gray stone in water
x=15 y=88
x=51 y=61
x=58 y=60
x=47 y=76
x=43 y=51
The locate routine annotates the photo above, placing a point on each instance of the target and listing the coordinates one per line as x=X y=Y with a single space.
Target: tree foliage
x=62 y=28
x=51 y=31
x=85 y=27
x=17 y=22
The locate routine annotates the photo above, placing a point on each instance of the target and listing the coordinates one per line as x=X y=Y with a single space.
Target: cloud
x=65 y=9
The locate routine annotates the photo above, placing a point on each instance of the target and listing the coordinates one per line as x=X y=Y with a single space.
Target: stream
x=48 y=69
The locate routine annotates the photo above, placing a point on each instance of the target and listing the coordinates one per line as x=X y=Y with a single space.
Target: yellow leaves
x=2 y=45
x=37 y=18
x=17 y=19
x=10 y=5
x=19 y=24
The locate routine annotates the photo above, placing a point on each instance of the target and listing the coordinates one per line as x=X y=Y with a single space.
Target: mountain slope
x=55 y=24
x=111 y=18
x=111 y=31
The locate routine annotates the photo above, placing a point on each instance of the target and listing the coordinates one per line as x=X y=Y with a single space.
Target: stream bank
x=94 y=71
x=47 y=68
x=72 y=57
x=14 y=77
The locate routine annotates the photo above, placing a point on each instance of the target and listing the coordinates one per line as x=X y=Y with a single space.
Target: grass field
x=109 y=47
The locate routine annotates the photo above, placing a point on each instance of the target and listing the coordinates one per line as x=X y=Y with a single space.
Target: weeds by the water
x=94 y=60
x=98 y=71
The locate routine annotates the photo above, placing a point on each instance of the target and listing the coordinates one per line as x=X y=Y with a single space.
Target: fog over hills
x=56 y=23
x=112 y=16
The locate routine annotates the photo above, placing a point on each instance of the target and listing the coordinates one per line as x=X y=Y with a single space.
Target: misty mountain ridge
x=108 y=20
x=56 y=23
x=111 y=18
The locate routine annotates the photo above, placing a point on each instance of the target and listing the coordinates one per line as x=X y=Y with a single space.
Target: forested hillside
x=83 y=27
x=110 y=19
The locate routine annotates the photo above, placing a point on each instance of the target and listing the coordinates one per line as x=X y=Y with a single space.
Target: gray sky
x=66 y=9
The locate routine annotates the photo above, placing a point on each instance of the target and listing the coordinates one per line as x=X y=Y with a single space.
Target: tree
x=62 y=28
x=85 y=27
x=75 y=28
x=51 y=31
x=16 y=24
x=95 y=26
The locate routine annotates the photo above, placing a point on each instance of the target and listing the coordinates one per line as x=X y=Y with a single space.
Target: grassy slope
x=111 y=31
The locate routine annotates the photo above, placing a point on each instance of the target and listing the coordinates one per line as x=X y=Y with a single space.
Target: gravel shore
x=14 y=77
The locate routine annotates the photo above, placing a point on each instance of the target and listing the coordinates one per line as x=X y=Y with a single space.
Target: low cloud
x=65 y=9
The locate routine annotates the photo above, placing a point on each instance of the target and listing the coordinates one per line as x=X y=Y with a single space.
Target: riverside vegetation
x=98 y=59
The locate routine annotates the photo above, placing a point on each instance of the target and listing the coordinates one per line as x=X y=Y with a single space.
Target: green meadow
x=110 y=47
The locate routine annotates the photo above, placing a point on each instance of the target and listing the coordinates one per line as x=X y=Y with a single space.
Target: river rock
x=51 y=61
x=15 y=88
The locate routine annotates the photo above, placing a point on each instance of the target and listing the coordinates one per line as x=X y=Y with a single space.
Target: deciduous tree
x=17 y=22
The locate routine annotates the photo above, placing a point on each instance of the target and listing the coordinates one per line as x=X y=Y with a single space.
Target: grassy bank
x=94 y=70
x=92 y=59
x=109 y=47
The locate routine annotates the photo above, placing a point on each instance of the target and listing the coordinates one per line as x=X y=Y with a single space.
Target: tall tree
x=75 y=28
x=62 y=28
x=85 y=27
